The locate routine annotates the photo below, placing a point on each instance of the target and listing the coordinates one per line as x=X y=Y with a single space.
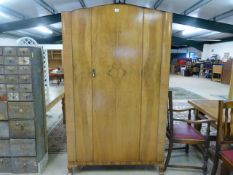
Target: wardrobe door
x=82 y=90
x=117 y=61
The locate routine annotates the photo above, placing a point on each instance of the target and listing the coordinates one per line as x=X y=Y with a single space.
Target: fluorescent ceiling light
x=44 y=29
x=191 y=30
x=2 y=1
x=4 y=15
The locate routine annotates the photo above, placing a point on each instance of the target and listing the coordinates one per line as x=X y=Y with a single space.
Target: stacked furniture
x=217 y=73
x=22 y=117
x=226 y=72
x=116 y=65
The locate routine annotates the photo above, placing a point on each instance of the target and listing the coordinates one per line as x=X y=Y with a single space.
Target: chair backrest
x=170 y=113
x=225 y=123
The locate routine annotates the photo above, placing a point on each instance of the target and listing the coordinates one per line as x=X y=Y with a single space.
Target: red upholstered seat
x=185 y=131
x=227 y=154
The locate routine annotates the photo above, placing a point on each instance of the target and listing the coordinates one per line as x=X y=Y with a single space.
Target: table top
x=53 y=96
x=208 y=107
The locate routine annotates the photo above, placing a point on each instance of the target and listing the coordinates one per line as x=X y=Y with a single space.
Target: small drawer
x=3 y=97
x=1 y=59
x=23 y=52
x=11 y=78
x=2 y=79
x=4 y=130
x=24 y=69
x=3 y=111
x=5 y=148
x=11 y=61
x=2 y=88
x=20 y=110
x=24 y=165
x=12 y=88
x=25 y=97
x=5 y=165
x=22 y=129
x=2 y=70
x=13 y=96
x=11 y=70
x=9 y=51
x=25 y=88
x=25 y=79
x=22 y=147
x=24 y=61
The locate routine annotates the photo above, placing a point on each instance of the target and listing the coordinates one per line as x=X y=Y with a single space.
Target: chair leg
x=215 y=165
x=187 y=148
x=168 y=154
x=206 y=156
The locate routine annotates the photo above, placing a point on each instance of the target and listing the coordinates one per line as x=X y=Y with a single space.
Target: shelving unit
x=217 y=73
x=55 y=58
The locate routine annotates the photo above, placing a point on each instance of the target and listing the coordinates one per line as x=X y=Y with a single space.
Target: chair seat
x=185 y=131
x=227 y=155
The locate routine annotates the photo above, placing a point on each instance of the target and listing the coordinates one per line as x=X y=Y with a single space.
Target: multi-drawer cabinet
x=22 y=113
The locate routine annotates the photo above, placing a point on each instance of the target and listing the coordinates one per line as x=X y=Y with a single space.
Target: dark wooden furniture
x=182 y=131
x=226 y=72
x=224 y=136
x=23 y=144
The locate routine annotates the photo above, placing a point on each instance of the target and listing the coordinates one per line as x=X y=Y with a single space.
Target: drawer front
x=12 y=88
x=24 y=165
x=5 y=148
x=11 y=78
x=13 y=96
x=25 y=88
x=25 y=97
x=2 y=88
x=3 y=97
x=23 y=52
x=5 y=165
x=20 y=129
x=24 y=61
x=24 y=69
x=4 y=130
x=9 y=51
x=3 y=111
x=1 y=51
x=2 y=79
x=11 y=61
x=22 y=147
x=20 y=110
x=2 y=70
x=11 y=70
x=25 y=79
x=1 y=59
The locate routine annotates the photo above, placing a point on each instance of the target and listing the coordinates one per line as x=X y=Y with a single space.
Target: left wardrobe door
x=82 y=66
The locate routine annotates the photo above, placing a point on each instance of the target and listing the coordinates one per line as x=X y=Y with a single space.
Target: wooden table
x=207 y=107
x=52 y=97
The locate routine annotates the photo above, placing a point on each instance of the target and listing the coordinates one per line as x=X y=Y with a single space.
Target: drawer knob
x=1 y=161
x=20 y=110
x=25 y=164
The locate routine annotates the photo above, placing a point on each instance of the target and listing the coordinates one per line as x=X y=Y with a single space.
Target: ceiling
x=214 y=10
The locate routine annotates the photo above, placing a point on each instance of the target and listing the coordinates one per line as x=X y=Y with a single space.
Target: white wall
x=187 y=50
x=6 y=40
x=220 y=49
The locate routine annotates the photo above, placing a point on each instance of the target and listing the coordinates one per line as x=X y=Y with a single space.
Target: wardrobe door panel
x=152 y=53
x=117 y=60
x=82 y=65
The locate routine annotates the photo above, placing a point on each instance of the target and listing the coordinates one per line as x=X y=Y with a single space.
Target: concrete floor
x=211 y=90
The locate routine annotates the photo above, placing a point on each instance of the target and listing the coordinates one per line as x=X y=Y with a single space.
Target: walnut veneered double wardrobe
x=116 y=64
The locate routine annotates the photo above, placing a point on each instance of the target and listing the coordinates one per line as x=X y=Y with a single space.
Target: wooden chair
x=181 y=131
x=224 y=136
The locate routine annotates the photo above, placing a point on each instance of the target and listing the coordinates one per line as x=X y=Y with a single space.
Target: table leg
x=64 y=110
x=197 y=126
